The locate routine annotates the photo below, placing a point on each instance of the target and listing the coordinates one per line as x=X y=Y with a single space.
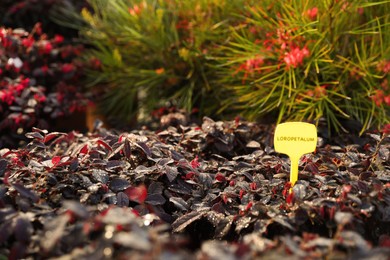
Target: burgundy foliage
x=215 y=191
x=39 y=81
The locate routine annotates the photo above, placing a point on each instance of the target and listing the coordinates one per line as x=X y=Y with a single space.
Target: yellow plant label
x=295 y=139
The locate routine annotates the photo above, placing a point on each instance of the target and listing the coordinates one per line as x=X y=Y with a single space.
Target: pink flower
x=387 y=100
x=386 y=67
x=136 y=10
x=283 y=37
x=58 y=38
x=19 y=87
x=345 y=6
x=384 y=84
x=67 y=67
x=27 y=42
x=312 y=13
x=39 y=98
x=378 y=98
x=386 y=129
x=295 y=57
x=47 y=48
x=250 y=66
x=7 y=97
x=25 y=82
x=320 y=91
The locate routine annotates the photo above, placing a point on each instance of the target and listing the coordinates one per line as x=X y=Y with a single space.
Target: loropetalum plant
x=307 y=60
x=39 y=81
x=156 y=51
x=219 y=184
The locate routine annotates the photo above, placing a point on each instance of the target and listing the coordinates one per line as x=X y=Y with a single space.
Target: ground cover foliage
x=216 y=190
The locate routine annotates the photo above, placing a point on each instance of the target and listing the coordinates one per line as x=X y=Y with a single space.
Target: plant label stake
x=295 y=139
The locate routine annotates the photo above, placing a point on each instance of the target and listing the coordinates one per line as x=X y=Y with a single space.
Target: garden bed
x=217 y=190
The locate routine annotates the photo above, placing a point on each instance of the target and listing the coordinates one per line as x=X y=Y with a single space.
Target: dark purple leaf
x=74 y=165
x=127 y=149
x=123 y=200
x=18 y=250
x=155 y=188
x=100 y=175
x=176 y=156
x=23 y=230
x=301 y=216
x=118 y=184
x=171 y=172
x=180 y=188
x=299 y=191
x=110 y=197
x=85 y=181
x=34 y=135
x=182 y=222
x=3 y=167
x=6 y=230
x=179 y=203
x=144 y=148
x=112 y=165
x=155 y=199
x=284 y=223
x=224 y=146
x=27 y=193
